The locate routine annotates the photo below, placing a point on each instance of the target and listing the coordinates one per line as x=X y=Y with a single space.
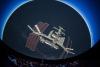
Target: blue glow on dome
x=10 y=8
x=8 y=12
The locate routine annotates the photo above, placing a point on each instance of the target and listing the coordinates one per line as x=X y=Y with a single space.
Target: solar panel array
x=33 y=39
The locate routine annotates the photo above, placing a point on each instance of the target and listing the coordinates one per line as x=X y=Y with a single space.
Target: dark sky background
x=54 y=13
x=90 y=10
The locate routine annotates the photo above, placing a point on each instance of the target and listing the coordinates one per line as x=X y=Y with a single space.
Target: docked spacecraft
x=54 y=39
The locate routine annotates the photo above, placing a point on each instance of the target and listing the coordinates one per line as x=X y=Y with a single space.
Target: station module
x=55 y=38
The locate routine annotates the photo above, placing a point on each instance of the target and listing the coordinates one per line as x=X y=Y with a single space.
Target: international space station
x=54 y=39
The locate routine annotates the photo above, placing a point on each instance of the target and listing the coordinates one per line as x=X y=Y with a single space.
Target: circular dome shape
x=47 y=31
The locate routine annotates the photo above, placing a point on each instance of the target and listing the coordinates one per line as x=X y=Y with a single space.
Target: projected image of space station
x=45 y=30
